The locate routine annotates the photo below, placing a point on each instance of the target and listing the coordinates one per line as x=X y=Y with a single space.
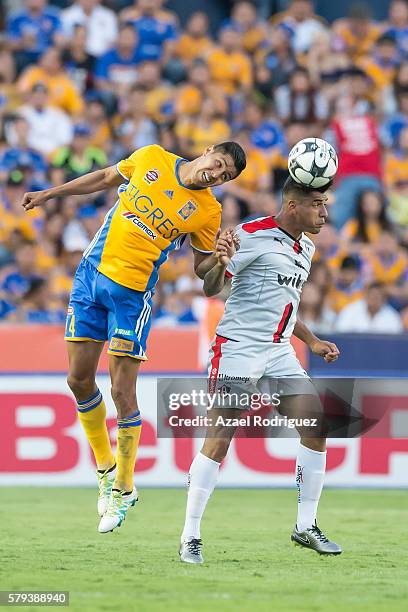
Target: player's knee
x=81 y=386
x=315 y=444
x=216 y=449
x=125 y=401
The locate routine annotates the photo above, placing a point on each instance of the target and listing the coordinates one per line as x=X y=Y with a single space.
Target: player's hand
x=327 y=350
x=226 y=246
x=32 y=199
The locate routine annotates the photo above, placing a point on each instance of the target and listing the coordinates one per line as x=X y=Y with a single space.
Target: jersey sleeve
x=126 y=167
x=204 y=239
x=245 y=255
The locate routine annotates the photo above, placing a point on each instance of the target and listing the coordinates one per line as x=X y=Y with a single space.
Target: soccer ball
x=313 y=162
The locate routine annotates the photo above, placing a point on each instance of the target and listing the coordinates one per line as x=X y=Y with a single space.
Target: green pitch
x=49 y=541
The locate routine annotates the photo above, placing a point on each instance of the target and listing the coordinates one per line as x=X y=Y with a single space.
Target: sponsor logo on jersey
x=151 y=176
x=278 y=239
x=169 y=193
x=70 y=310
x=291 y=281
x=124 y=332
x=187 y=210
x=118 y=344
x=139 y=223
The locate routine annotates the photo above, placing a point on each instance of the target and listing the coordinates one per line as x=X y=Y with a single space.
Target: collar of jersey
x=177 y=170
x=287 y=233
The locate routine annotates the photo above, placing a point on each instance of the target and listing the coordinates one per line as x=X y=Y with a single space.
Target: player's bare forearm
x=202 y=263
x=89 y=183
x=302 y=332
x=214 y=280
x=324 y=348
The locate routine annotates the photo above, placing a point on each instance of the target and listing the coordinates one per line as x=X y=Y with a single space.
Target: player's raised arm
x=89 y=183
x=225 y=248
x=324 y=348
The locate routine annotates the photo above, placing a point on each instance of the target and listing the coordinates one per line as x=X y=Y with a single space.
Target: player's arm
x=203 y=263
x=327 y=350
x=225 y=248
x=89 y=183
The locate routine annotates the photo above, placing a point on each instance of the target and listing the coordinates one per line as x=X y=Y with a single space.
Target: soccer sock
x=310 y=469
x=203 y=476
x=92 y=414
x=129 y=430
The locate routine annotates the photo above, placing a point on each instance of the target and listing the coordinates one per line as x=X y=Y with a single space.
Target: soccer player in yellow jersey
x=161 y=199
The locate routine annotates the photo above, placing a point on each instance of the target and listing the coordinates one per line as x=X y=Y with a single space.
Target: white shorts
x=241 y=367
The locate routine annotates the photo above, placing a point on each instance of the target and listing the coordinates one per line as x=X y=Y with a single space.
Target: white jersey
x=268 y=273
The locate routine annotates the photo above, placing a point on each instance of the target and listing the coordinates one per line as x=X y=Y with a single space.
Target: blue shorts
x=100 y=309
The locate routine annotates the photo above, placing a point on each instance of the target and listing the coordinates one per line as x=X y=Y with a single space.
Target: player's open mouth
x=206 y=177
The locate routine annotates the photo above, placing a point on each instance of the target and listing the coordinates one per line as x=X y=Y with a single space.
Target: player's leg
x=129 y=319
x=202 y=478
x=86 y=331
x=310 y=472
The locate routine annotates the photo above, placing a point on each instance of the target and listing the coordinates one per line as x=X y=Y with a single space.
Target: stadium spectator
x=230 y=67
x=15 y=279
x=62 y=92
x=388 y=264
x=159 y=94
x=50 y=127
x=397 y=25
x=36 y=305
x=297 y=102
x=78 y=63
x=329 y=250
x=396 y=162
x=245 y=20
x=136 y=129
x=348 y=284
x=255 y=179
x=327 y=65
x=357 y=33
x=382 y=64
x=313 y=311
x=156 y=28
x=197 y=133
x=368 y=224
x=371 y=314
x=358 y=147
x=198 y=86
x=79 y=157
x=274 y=62
x=300 y=23
x=13 y=218
x=99 y=21
x=21 y=155
x=95 y=116
x=116 y=70
x=32 y=30
x=195 y=42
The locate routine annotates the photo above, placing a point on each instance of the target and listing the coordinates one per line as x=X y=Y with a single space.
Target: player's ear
x=209 y=149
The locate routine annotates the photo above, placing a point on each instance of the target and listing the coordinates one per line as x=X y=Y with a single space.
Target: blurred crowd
x=84 y=84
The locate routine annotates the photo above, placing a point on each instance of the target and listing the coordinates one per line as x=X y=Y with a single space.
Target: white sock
x=310 y=470
x=203 y=476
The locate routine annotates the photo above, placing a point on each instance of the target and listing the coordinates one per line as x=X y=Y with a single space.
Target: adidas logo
x=169 y=193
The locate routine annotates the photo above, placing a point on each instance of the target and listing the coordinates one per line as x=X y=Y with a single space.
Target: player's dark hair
x=235 y=151
x=293 y=190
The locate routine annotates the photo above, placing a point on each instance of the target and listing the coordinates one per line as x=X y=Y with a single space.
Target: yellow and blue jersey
x=153 y=214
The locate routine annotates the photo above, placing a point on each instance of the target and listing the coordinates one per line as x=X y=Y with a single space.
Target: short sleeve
x=126 y=167
x=204 y=239
x=245 y=255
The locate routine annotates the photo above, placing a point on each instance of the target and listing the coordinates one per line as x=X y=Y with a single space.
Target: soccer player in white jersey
x=253 y=341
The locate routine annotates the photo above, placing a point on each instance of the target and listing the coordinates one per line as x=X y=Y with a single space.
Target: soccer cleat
x=190 y=551
x=314 y=539
x=119 y=504
x=105 y=484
